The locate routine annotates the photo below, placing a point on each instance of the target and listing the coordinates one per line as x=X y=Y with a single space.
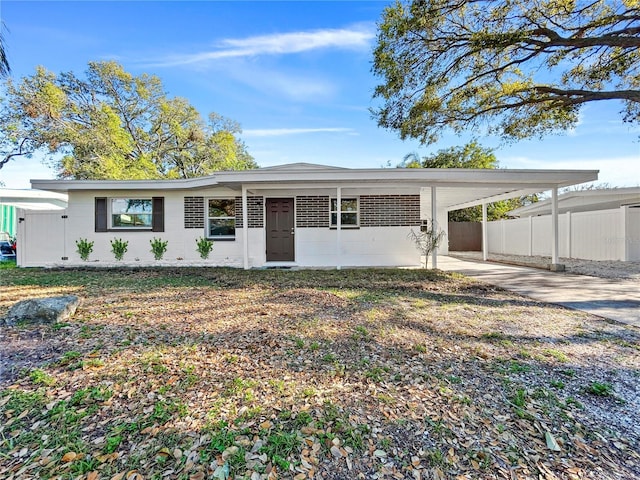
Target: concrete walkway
x=609 y=298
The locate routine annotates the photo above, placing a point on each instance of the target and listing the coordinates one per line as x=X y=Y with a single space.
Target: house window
x=131 y=213
x=349 y=212
x=221 y=218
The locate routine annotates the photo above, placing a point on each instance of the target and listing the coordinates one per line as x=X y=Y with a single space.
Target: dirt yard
x=217 y=373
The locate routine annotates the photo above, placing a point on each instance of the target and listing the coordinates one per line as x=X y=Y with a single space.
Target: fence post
x=530 y=236
x=624 y=227
x=569 y=235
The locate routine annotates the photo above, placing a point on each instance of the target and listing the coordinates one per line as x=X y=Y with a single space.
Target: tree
x=523 y=68
x=113 y=125
x=471 y=155
x=5 y=69
x=427 y=239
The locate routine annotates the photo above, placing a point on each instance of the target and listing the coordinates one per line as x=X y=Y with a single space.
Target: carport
x=454 y=189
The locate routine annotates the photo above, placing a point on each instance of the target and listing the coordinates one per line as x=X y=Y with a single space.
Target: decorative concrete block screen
x=389 y=210
x=312 y=212
x=255 y=211
x=374 y=211
x=194 y=212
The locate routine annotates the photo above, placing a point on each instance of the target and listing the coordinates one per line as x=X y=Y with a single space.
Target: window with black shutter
x=129 y=214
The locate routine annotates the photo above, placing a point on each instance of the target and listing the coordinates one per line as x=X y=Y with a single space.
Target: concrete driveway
x=609 y=298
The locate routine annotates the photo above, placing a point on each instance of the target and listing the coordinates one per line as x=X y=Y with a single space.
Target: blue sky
x=296 y=75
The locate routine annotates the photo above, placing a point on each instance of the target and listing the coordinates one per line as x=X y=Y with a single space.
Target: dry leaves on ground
x=214 y=373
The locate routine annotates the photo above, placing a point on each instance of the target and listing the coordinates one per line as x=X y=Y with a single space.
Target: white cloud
x=279 y=132
x=294 y=86
x=278 y=44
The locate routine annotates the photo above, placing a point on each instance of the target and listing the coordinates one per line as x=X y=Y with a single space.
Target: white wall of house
x=598 y=235
x=49 y=238
x=369 y=246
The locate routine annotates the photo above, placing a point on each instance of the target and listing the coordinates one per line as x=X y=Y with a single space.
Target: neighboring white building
x=583 y=201
x=292 y=215
x=592 y=225
x=32 y=199
x=12 y=199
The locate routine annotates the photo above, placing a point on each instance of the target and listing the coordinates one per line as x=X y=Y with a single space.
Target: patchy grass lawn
x=218 y=373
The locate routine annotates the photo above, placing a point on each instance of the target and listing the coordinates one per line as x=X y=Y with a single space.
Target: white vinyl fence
x=598 y=235
x=41 y=237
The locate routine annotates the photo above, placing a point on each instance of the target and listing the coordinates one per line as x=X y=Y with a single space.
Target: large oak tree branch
x=451 y=65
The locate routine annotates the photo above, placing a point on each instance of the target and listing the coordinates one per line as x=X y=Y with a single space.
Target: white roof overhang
x=33 y=199
x=583 y=201
x=456 y=188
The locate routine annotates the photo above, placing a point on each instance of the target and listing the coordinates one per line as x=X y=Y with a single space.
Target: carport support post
x=338 y=226
x=485 y=236
x=245 y=229
x=555 y=266
x=434 y=226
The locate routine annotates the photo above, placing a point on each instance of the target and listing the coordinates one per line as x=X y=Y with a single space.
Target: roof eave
x=543 y=179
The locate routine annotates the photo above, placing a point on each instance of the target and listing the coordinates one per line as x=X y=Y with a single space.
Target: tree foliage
x=5 y=69
x=113 y=125
x=471 y=155
x=522 y=68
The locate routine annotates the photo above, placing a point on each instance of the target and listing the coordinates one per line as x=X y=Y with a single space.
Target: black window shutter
x=101 y=215
x=157 y=220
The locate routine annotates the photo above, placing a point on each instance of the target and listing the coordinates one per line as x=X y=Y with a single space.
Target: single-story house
x=300 y=215
x=599 y=224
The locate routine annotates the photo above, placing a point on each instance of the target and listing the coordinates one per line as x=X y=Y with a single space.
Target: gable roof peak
x=302 y=166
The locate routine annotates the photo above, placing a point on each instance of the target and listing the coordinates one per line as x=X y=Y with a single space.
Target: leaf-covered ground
x=218 y=373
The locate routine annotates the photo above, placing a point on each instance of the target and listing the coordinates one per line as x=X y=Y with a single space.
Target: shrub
x=119 y=248
x=84 y=248
x=427 y=239
x=204 y=247
x=158 y=248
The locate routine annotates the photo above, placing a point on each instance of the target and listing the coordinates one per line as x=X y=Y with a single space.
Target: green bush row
x=158 y=247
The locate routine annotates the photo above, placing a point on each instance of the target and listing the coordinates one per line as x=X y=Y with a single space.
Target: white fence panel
x=41 y=237
x=516 y=236
x=633 y=234
x=599 y=235
x=541 y=235
x=494 y=236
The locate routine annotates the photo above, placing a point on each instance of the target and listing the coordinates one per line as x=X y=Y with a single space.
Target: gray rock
x=42 y=310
